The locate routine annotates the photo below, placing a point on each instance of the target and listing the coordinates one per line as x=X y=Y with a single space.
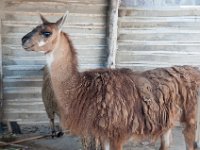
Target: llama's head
x=43 y=38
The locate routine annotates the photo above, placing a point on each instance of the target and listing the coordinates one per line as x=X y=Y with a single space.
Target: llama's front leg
x=113 y=145
x=55 y=133
x=89 y=143
x=52 y=126
x=189 y=134
x=165 y=140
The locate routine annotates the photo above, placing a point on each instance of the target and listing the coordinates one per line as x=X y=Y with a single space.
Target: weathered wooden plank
x=86 y=1
x=173 y=47
x=154 y=22
x=28 y=70
x=24 y=107
x=24 y=28
x=160 y=37
x=158 y=3
x=160 y=11
x=55 y=2
x=24 y=100
x=159 y=19
x=72 y=18
x=17 y=51
x=177 y=42
x=30 y=24
x=23 y=82
x=132 y=57
x=9 y=60
x=21 y=92
x=41 y=7
x=160 y=30
x=20 y=117
x=30 y=122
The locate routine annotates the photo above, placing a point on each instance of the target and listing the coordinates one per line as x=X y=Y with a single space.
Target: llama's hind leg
x=189 y=134
x=90 y=143
x=166 y=140
x=114 y=145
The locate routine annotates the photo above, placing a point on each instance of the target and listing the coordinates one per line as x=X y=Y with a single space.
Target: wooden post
x=198 y=122
x=113 y=28
x=1 y=68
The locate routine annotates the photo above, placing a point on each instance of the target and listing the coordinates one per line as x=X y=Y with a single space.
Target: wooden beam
x=1 y=68
x=16 y=143
x=4 y=144
x=113 y=31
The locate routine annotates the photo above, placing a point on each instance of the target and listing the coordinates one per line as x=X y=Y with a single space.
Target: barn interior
x=135 y=34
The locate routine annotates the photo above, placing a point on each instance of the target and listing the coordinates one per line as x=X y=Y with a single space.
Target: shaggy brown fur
x=117 y=104
x=128 y=103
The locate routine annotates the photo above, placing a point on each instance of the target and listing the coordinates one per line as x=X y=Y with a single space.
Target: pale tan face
x=43 y=38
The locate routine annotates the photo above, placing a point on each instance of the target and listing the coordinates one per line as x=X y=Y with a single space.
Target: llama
x=115 y=105
x=49 y=100
x=51 y=108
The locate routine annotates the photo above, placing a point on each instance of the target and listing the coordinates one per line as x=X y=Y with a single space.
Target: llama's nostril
x=24 y=39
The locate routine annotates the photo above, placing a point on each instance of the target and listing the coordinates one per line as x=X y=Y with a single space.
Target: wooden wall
x=158 y=37
x=148 y=37
x=22 y=70
x=150 y=3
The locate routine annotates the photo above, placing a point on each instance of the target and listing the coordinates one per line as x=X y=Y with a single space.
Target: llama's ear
x=62 y=20
x=44 y=20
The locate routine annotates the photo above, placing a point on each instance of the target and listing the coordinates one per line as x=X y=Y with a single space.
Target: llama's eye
x=46 y=34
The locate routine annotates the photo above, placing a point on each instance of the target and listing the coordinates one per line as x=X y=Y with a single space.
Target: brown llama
x=50 y=104
x=49 y=100
x=116 y=104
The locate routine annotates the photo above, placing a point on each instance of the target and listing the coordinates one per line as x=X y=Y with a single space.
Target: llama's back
x=175 y=89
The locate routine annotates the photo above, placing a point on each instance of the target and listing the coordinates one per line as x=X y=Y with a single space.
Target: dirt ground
x=73 y=143
x=68 y=142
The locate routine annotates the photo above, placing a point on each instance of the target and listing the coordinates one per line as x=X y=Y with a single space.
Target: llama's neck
x=62 y=64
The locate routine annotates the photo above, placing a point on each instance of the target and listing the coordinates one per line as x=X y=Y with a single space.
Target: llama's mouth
x=28 y=47
x=47 y=52
x=43 y=52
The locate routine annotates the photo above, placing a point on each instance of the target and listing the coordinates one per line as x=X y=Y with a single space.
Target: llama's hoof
x=53 y=134
x=59 y=134
x=196 y=145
